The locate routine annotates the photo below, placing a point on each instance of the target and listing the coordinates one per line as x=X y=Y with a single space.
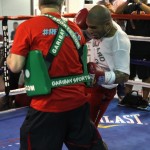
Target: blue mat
x=125 y=128
x=122 y=128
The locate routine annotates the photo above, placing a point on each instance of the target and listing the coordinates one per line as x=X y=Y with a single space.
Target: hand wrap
x=99 y=76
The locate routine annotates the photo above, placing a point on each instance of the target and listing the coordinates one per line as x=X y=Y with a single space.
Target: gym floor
x=122 y=128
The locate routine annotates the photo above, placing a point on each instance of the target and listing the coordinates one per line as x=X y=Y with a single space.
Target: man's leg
x=133 y=72
x=43 y=131
x=144 y=75
x=146 y=91
x=82 y=133
x=99 y=101
x=128 y=87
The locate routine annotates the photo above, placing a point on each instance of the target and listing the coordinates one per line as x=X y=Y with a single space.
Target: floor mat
x=122 y=128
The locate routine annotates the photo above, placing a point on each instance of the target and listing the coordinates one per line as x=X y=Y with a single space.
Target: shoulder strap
x=31 y=84
x=82 y=51
x=63 y=24
x=55 y=47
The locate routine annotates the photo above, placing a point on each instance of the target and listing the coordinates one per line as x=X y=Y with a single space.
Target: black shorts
x=48 y=131
x=143 y=72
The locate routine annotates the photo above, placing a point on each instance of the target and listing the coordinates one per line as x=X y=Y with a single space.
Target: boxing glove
x=96 y=73
x=99 y=76
x=80 y=18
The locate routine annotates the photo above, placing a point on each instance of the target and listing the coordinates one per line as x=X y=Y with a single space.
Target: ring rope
x=17 y=17
x=131 y=82
x=131 y=37
x=140 y=62
x=10 y=42
x=72 y=15
x=23 y=90
x=14 y=92
x=118 y=16
x=139 y=38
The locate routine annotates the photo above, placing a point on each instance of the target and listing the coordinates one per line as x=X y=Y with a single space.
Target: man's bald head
x=99 y=13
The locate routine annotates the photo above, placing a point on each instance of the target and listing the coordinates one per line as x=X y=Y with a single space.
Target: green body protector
x=37 y=79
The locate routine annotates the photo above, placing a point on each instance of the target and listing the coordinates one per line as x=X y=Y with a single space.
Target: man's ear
x=107 y=26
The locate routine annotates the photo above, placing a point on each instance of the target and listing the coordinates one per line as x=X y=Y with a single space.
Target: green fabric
x=57 y=42
x=37 y=79
x=64 y=25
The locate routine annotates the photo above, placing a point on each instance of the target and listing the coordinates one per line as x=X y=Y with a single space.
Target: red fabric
x=37 y=34
x=80 y=18
x=99 y=101
x=22 y=100
x=29 y=142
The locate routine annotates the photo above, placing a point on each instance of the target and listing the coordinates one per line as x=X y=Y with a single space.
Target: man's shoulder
x=122 y=39
x=73 y=25
x=122 y=36
x=120 y=31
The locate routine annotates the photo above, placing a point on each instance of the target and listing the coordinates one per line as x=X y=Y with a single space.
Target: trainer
x=63 y=115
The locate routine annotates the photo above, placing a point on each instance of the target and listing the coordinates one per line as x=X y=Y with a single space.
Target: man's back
x=39 y=35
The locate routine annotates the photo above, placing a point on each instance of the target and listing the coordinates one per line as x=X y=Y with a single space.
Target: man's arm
x=15 y=62
x=121 y=7
x=121 y=77
x=143 y=6
x=99 y=76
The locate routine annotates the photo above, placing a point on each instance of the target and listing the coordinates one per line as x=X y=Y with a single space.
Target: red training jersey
x=38 y=33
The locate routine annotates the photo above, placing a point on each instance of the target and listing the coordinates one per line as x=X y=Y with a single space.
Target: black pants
x=143 y=72
x=48 y=131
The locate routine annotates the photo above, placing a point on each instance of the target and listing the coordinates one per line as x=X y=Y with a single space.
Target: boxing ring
x=122 y=128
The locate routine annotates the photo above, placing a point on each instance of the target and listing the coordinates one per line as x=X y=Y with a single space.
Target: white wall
x=0 y=8
x=73 y=6
x=22 y=7
x=13 y=8
x=1 y=15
